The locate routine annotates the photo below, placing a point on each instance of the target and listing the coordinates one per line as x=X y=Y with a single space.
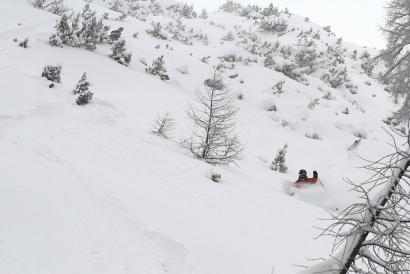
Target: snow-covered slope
x=90 y=190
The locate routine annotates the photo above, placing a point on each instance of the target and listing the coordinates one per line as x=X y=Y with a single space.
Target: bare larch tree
x=397 y=53
x=213 y=117
x=373 y=236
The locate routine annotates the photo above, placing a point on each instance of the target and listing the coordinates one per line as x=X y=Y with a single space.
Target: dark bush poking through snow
x=120 y=54
x=83 y=91
x=278 y=163
x=52 y=73
x=158 y=68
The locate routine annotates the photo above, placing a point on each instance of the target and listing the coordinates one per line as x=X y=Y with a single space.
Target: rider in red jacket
x=304 y=179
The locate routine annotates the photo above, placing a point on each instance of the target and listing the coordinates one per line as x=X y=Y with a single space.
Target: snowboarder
x=304 y=179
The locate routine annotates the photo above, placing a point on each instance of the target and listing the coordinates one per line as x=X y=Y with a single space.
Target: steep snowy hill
x=89 y=189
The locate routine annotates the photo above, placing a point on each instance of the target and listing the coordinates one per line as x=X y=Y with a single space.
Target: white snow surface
x=90 y=190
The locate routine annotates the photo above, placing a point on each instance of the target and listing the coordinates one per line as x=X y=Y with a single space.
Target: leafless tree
x=213 y=116
x=164 y=125
x=397 y=53
x=373 y=235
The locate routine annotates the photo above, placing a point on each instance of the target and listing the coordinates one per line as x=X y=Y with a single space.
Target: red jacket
x=312 y=180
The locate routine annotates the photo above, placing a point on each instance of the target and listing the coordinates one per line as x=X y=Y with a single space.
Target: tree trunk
x=395 y=178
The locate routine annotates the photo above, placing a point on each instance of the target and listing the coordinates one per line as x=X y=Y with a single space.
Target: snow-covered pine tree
x=52 y=73
x=156 y=31
x=204 y=14
x=82 y=85
x=24 y=43
x=53 y=6
x=270 y=10
x=83 y=91
x=120 y=54
x=79 y=30
x=229 y=36
x=278 y=163
x=84 y=98
x=158 y=68
x=90 y=34
x=213 y=117
x=115 y=35
x=64 y=33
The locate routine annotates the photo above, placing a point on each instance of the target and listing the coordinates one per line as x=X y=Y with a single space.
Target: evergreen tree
x=82 y=85
x=84 y=98
x=119 y=53
x=52 y=73
x=115 y=35
x=89 y=35
x=158 y=68
x=204 y=14
x=278 y=163
x=83 y=91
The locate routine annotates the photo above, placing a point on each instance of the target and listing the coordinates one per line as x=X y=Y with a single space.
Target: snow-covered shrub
x=83 y=91
x=183 y=10
x=156 y=31
x=163 y=125
x=204 y=14
x=278 y=164
x=312 y=104
x=116 y=5
x=307 y=55
x=354 y=55
x=52 y=73
x=216 y=177
x=84 y=98
x=269 y=62
x=352 y=88
x=278 y=87
x=179 y=32
x=335 y=55
x=274 y=25
x=121 y=17
x=313 y=135
x=270 y=10
x=115 y=35
x=328 y=29
x=292 y=71
x=229 y=36
x=205 y=59
x=329 y=96
x=80 y=30
x=53 y=6
x=346 y=111
x=336 y=76
x=24 y=43
x=231 y=7
x=230 y=58
x=158 y=68
x=120 y=54
x=368 y=63
x=82 y=85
